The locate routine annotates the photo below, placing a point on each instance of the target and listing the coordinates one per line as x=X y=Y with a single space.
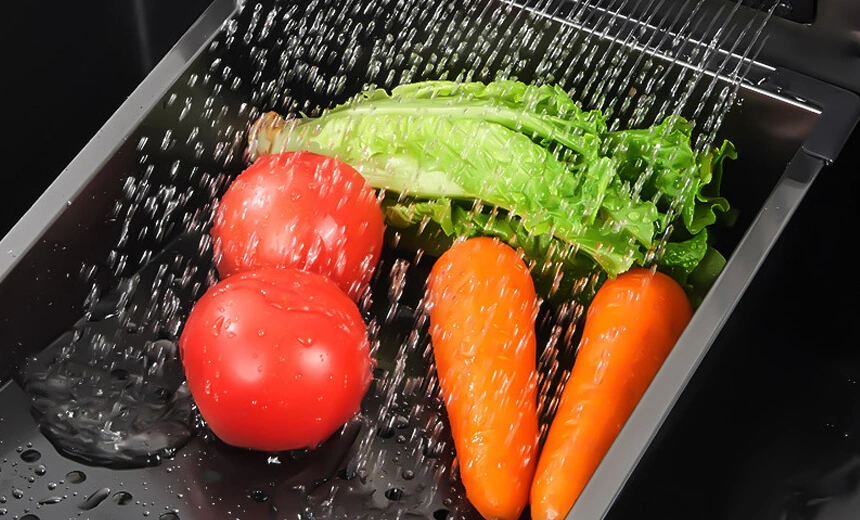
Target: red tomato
x=276 y=359
x=301 y=210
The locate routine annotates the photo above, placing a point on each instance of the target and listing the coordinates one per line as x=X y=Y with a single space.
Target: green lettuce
x=526 y=164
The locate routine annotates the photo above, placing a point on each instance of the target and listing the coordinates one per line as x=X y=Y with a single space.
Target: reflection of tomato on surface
x=302 y=210
x=276 y=359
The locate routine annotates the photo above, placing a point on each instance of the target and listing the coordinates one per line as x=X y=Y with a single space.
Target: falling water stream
x=110 y=393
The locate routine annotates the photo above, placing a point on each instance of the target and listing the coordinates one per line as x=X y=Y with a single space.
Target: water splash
x=111 y=391
x=115 y=380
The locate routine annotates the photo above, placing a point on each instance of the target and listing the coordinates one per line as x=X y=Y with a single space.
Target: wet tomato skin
x=302 y=210
x=276 y=359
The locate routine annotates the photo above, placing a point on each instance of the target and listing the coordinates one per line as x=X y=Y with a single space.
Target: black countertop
x=769 y=427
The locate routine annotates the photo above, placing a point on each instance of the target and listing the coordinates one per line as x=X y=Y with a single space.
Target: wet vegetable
x=630 y=327
x=301 y=210
x=482 y=312
x=525 y=164
x=276 y=359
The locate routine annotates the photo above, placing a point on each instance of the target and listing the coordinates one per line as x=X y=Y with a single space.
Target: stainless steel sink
x=788 y=127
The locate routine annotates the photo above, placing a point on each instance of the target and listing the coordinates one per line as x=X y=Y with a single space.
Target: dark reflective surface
x=67 y=67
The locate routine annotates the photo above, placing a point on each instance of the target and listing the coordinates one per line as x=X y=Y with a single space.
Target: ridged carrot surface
x=631 y=326
x=483 y=307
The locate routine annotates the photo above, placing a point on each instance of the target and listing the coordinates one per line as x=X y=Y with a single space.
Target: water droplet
x=347 y=473
x=432 y=451
x=30 y=455
x=76 y=477
x=122 y=498
x=394 y=493
x=96 y=498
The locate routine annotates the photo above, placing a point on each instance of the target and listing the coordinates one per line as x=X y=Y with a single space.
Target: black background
x=764 y=426
x=67 y=67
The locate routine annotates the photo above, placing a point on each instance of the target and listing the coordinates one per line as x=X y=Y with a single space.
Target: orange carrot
x=631 y=326
x=483 y=308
